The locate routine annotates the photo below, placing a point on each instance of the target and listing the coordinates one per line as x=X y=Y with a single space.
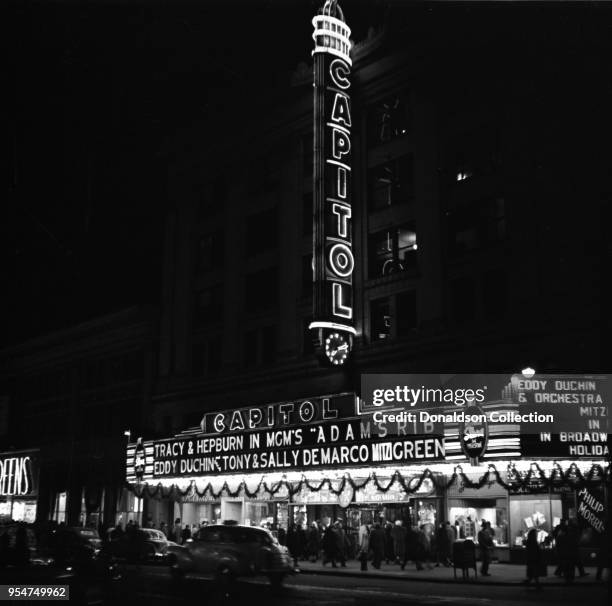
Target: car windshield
x=155 y=535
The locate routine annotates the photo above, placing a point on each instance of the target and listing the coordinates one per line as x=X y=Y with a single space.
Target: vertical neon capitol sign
x=333 y=260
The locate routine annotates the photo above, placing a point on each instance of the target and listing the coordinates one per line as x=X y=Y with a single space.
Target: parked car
x=75 y=546
x=230 y=551
x=143 y=544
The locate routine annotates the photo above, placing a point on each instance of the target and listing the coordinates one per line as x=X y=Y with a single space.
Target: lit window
x=391 y=183
x=389 y=119
x=392 y=250
x=380 y=319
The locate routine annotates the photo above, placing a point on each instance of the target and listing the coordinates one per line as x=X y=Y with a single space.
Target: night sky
x=95 y=90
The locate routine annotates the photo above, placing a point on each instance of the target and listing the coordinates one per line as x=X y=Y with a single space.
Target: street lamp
x=528 y=372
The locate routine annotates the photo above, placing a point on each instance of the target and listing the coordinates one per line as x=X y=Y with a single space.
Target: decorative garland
x=534 y=479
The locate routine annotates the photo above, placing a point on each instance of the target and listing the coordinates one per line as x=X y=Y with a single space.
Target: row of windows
x=91 y=374
x=393 y=316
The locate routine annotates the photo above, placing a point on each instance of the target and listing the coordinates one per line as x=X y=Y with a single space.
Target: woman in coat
x=535 y=560
x=364 y=546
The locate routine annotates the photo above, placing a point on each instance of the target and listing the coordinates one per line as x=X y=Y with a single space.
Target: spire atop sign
x=331 y=34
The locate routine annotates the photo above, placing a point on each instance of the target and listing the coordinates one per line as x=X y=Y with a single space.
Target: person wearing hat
x=485 y=544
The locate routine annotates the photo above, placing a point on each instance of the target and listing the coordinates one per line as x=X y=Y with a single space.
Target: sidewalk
x=501 y=574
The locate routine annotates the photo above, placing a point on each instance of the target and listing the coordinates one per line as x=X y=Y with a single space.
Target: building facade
x=70 y=399
x=458 y=267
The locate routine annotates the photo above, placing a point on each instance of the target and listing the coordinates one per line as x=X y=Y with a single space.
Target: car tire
x=176 y=573
x=224 y=575
x=276 y=579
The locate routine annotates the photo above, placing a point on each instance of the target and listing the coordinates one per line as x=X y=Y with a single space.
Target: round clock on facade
x=336 y=348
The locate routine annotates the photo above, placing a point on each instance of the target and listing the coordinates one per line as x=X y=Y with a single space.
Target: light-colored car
x=228 y=551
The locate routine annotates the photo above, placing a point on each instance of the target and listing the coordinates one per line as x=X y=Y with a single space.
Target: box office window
x=391 y=183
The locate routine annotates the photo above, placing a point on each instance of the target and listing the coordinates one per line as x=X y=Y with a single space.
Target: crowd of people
x=378 y=543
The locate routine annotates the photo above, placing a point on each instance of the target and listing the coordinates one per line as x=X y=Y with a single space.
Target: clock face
x=336 y=348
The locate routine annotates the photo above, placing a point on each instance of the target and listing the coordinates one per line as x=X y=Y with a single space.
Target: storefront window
x=467 y=516
x=541 y=512
x=59 y=515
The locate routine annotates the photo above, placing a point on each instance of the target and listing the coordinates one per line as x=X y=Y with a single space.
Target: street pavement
x=500 y=574
x=153 y=586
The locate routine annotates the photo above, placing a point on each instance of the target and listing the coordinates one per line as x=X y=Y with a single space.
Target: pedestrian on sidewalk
x=485 y=543
x=444 y=541
x=377 y=545
x=364 y=546
x=340 y=537
x=389 y=553
x=293 y=544
x=414 y=548
x=313 y=542
x=330 y=546
x=603 y=555
x=398 y=535
x=574 y=541
x=536 y=567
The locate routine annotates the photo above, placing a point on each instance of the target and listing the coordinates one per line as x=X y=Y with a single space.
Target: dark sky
x=95 y=88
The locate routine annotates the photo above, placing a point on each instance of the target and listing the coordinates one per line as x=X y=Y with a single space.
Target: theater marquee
x=333 y=260
x=314 y=433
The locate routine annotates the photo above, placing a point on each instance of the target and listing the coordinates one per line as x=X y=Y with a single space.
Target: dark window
x=406 y=313
x=210 y=252
x=191 y=419
x=308 y=345
x=380 y=319
x=477 y=153
x=260 y=346
x=307 y=214
x=268 y=344
x=389 y=119
x=261 y=232
x=463 y=299
x=476 y=226
x=251 y=339
x=209 y=305
x=392 y=250
x=216 y=201
x=307 y=155
x=494 y=294
x=206 y=359
x=262 y=289
x=307 y=275
x=391 y=183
